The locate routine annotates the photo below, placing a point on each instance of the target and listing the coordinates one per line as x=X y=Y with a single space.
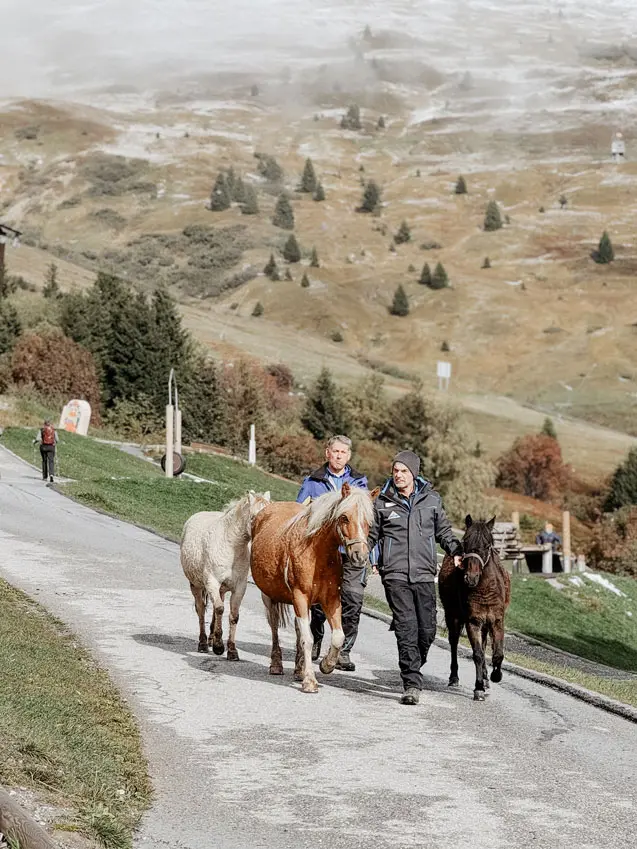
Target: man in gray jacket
x=408 y=521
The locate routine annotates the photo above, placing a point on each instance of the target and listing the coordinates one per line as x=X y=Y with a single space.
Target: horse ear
x=346 y=490
x=375 y=493
x=491 y=523
x=251 y=498
x=468 y=521
x=266 y=496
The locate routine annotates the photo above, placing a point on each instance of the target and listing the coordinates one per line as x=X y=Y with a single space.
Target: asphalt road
x=242 y=760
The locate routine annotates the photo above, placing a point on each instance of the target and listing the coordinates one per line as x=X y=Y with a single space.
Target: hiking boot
x=410 y=697
x=344 y=663
x=51 y=479
x=316 y=649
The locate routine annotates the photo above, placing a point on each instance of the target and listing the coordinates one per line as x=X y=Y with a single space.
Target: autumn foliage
x=57 y=367
x=534 y=467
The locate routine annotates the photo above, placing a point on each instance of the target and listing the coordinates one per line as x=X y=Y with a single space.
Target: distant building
x=618 y=148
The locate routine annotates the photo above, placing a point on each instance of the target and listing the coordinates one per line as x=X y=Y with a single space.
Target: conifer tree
x=283 y=213
x=425 y=275
x=352 y=120
x=548 y=428
x=231 y=179
x=258 y=309
x=291 y=250
x=4 y=280
x=486 y=263
x=51 y=288
x=623 y=486
x=439 y=279
x=324 y=414
x=563 y=201
x=288 y=275
x=314 y=260
x=319 y=194
x=309 y=183
x=403 y=235
x=381 y=123
x=400 y=304
x=461 y=186
x=270 y=267
x=10 y=327
x=371 y=197
x=239 y=190
x=605 y=252
x=220 y=196
x=305 y=281
x=250 y=206
x=492 y=218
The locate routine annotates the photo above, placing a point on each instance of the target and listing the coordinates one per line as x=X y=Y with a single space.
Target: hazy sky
x=54 y=46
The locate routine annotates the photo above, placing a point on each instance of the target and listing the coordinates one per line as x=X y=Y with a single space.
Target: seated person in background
x=547 y=536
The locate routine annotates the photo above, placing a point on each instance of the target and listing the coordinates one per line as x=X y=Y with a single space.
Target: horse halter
x=477 y=556
x=349 y=543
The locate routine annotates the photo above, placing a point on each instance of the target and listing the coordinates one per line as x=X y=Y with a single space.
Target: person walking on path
x=47 y=438
x=330 y=477
x=409 y=519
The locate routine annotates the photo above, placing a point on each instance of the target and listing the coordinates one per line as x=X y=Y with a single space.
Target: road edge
x=598 y=700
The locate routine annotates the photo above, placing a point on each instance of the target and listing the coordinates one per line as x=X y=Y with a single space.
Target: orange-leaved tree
x=534 y=466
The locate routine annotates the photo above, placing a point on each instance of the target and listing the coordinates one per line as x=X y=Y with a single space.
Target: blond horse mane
x=328 y=508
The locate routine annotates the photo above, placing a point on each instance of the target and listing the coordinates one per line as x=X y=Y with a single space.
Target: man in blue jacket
x=330 y=477
x=409 y=520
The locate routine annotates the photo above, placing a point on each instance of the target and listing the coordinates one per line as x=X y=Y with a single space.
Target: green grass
x=239 y=476
x=589 y=621
x=64 y=729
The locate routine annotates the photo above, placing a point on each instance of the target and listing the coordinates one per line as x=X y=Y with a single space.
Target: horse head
x=354 y=518
x=477 y=543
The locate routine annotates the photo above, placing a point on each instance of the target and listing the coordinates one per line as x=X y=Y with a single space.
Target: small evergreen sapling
x=258 y=309
x=309 y=183
x=486 y=263
x=291 y=250
x=283 y=213
x=51 y=287
x=270 y=267
x=461 y=186
x=439 y=279
x=400 y=304
x=250 y=205
x=305 y=281
x=604 y=253
x=492 y=218
x=403 y=235
x=352 y=120
x=371 y=197
x=220 y=196
x=314 y=260
x=425 y=275
x=319 y=194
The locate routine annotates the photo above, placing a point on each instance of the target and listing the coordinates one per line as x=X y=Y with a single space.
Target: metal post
x=177 y=422
x=252 y=447
x=566 y=541
x=170 y=412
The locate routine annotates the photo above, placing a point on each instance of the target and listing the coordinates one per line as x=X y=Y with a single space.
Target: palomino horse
x=215 y=557
x=476 y=596
x=296 y=560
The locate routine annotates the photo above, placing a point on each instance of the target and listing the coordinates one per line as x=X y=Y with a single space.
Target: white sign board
x=76 y=417
x=444 y=370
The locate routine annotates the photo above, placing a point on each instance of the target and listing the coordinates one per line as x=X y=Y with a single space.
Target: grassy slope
x=63 y=726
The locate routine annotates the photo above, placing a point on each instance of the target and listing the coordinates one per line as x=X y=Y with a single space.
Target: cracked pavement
x=243 y=760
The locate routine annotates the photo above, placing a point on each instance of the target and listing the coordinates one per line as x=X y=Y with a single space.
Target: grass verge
x=240 y=477
x=64 y=729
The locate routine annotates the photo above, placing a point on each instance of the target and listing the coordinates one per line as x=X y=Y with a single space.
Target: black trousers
x=352 y=590
x=47 y=452
x=414 y=609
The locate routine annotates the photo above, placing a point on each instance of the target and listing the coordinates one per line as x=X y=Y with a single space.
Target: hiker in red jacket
x=47 y=437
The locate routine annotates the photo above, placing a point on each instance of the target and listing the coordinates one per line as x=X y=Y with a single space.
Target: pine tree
x=403 y=235
x=425 y=275
x=439 y=279
x=314 y=260
x=605 y=252
x=254 y=91
x=486 y=263
x=492 y=218
x=4 y=280
x=10 y=327
x=324 y=414
x=239 y=190
x=461 y=186
x=563 y=201
x=231 y=179
x=291 y=250
x=548 y=428
x=288 y=275
x=381 y=123
x=258 y=309
x=220 y=196
x=352 y=120
x=371 y=197
x=309 y=183
x=400 y=304
x=283 y=213
x=319 y=194
x=250 y=206
x=270 y=267
x=51 y=288
x=623 y=486
x=305 y=281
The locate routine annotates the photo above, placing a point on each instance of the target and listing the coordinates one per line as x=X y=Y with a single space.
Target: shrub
x=290 y=454
x=239 y=190
x=371 y=197
x=258 y=309
x=336 y=336
x=403 y=235
x=492 y=217
x=541 y=210
x=623 y=485
x=604 y=253
x=305 y=281
x=220 y=195
x=439 y=279
x=400 y=304
x=309 y=183
x=270 y=267
x=461 y=186
x=291 y=250
x=486 y=263
x=425 y=275
x=534 y=467
x=283 y=213
x=352 y=120
x=381 y=123
x=430 y=245
x=314 y=260
x=254 y=91
x=250 y=205
x=445 y=347
x=269 y=168
x=613 y=546
x=10 y=327
x=548 y=428
x=51 y=288
x=282 y=376
x=563 y=201
x=319 y=194
x=288 y=275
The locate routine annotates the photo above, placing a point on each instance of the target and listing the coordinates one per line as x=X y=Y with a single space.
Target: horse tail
x=283 y=612
x=278 y=613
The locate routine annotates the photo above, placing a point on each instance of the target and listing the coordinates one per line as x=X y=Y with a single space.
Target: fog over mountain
x=55 y=49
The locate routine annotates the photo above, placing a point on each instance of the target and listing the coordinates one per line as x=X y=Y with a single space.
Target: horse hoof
x=309 y=687
x=453 y=682
x=326 y=668
x=298 y=676
x=478 y=695
x=233 y=654
x=276 y=670
x=203 y=648
x=218 y=648
x=496 y=676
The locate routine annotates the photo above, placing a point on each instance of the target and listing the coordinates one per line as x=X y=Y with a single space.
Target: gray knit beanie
x=409 y=459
